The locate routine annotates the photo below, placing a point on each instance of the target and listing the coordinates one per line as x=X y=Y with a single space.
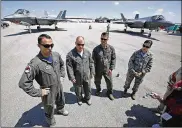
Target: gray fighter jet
x=151 y=23
x=24 y=17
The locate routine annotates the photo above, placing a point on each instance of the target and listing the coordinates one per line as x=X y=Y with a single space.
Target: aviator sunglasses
x=47 y=45
x=103 y=39
x=80 y=44
x=146 y=46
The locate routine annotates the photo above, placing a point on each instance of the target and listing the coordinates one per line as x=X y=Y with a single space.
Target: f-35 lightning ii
x=24 y=17
x=151 y=23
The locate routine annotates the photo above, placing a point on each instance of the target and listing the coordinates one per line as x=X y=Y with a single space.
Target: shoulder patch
x=27 y=69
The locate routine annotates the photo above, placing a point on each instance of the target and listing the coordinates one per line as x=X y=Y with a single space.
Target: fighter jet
x=121 y=22
x=24 y=17
x=151 y=23
x=72 y=18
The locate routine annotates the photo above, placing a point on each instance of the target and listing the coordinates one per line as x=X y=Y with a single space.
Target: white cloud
x=136 y=12
x=171 y=13
x=52 y=10
x=116 y=3
x=83 y=2
x=159 y=11
x=151 y=8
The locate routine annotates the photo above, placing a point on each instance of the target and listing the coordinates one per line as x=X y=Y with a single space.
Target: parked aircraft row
x=24 y=17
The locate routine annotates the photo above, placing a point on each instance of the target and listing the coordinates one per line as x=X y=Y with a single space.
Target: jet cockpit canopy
x=158 y=17
x=22 y=11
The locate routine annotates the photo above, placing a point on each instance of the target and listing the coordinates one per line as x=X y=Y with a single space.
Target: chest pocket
x=146 y=59
x=99 y=54
x=138 y=59
x=85 y=59
x=47 y=75
x=77 y=63
x=107 y=54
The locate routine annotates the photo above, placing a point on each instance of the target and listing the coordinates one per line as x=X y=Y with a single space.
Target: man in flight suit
x=139 y=64
x=80 y=70
x=46 y=68
x=104 y=60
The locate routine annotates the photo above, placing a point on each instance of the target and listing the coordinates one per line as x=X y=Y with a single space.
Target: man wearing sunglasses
x=139 y=64
x=104 y=59
x=80 y=70
x=46 y=68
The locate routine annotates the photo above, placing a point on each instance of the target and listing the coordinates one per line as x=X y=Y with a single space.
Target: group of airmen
x=48 y=69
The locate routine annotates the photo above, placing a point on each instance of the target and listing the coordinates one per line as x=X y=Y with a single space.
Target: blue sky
x=111 y=9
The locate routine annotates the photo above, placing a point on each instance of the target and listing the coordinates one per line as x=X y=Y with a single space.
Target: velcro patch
x=27 y=69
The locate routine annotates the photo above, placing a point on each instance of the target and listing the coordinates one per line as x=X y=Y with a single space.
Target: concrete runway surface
x=18 y=47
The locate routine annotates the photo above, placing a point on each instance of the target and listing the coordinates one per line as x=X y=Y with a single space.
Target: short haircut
x=79 y=37
x=43 y=36
x=105 y=34
x=148 y=42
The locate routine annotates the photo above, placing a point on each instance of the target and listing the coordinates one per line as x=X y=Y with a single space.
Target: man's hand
x=45 y=91
x=73 y=81
x=110 y=72
x=138 y=74
x=156 y=96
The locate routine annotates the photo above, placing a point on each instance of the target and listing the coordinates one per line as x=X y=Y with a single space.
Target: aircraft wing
x=81 y=18
x=53 y=19
x=124 y=22
x=118 y=22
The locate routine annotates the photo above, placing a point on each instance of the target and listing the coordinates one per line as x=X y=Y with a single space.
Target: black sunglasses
x=80 y=44
x=146 y=46
x=103 y=39
x=47 y=45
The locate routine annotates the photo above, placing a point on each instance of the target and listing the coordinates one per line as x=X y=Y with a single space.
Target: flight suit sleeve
x=149 y=65
x=131 y=63
x=113 y=60
x=26 y=82
x=69 y=67
x=62 y=68
x=93 y=57
x=91 y=65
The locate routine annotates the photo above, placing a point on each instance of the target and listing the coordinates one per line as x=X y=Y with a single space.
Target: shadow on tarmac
x=33 y=117
x=143 y=117
x=134 y=34
x=35 y=31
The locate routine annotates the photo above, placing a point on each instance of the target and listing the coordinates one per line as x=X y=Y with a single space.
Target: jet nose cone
x=8 y=17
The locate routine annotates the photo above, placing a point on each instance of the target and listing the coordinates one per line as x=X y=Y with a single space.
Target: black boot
x=50 y=121
x=98 y=92
x=125 y=91
x=133 y=95
x=110 y=95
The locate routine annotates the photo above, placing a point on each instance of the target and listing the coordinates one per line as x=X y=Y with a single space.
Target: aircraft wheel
x=56 y=28
x=149 y=35
x=38 y=27
x=4 y=26
x=142 y=31
x=124 y=30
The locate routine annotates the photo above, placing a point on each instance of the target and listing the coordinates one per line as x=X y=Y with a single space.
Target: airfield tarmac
x=18 y=47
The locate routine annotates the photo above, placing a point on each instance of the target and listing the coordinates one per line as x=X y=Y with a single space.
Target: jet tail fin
x=137 y=16
x=61 y=15
x=46 y=13
x=64 y=14
x=123 y=18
